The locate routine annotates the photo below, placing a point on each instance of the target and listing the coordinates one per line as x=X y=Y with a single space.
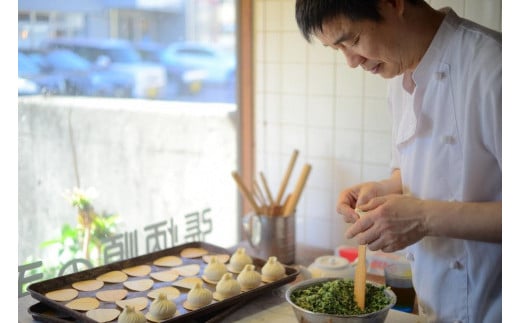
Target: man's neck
x=408 y=83
x=423 y=24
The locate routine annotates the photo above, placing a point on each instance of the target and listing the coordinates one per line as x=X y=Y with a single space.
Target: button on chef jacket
x=447 y=143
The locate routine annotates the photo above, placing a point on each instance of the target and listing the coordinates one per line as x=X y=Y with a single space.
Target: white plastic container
x=376 y=260
x=332 y=266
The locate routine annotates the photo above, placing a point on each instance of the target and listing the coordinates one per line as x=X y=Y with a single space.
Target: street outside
x=208 y=93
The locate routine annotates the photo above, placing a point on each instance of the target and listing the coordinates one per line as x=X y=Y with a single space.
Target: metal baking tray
x=43 y=313
x=39 y=289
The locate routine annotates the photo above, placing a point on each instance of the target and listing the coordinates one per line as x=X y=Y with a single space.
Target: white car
x=149 y=78
x=220 y=66
x=27 y=87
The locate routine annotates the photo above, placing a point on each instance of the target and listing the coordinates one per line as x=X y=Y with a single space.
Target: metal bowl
x=306 y=316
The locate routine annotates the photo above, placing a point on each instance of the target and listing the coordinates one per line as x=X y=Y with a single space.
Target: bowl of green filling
x=331 y=300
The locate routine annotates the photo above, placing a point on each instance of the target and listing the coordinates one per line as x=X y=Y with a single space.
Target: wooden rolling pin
x=245 y=192
x=286 y=177
x=266 y=187
x=295 y=196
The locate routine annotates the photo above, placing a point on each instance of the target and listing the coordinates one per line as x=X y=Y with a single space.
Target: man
x=442 y=201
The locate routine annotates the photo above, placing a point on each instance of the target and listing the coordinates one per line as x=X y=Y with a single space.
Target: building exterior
x=162 y=21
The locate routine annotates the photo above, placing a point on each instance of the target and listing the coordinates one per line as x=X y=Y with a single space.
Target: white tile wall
x=307 y=98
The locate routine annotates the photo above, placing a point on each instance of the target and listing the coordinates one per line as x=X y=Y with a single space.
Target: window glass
x=126 y=130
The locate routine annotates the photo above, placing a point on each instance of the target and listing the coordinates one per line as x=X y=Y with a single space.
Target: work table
x=268 y=307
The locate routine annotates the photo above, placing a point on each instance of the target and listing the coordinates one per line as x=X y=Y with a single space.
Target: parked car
x=149 y=79
x=27 y=87
x=182 y=80
x=219 y=65
x=31 y=70
x=83 y=78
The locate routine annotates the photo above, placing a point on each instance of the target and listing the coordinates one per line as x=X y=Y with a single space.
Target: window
x=121 y=134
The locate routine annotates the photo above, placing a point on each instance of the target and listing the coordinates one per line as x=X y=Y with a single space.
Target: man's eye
x=355 y=41
x=342 y=45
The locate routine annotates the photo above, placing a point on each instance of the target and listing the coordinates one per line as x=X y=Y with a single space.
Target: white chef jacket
x=447 y=143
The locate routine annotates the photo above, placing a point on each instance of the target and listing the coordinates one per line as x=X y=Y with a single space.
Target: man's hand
x=391 y=223
x=357 y=195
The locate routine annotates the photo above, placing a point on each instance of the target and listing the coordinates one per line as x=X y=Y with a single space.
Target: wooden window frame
x=245 y=95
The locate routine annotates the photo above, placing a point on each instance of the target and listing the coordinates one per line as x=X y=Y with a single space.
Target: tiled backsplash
x=307 y=98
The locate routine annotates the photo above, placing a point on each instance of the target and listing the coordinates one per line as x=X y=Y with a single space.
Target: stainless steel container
x=271 y=235
x=305 y=316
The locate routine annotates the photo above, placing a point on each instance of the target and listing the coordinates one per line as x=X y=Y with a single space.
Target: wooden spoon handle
x=360 y=277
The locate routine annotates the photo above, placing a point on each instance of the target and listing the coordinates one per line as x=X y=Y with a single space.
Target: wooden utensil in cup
x=247 y=194
x=286 y=177
x=295 y=196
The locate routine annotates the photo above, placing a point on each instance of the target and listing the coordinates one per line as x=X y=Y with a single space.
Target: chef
x=442 y=201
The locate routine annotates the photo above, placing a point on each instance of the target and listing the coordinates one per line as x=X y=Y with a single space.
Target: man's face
x=376 y=46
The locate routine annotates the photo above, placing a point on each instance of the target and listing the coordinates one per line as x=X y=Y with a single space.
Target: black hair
x=311 y=14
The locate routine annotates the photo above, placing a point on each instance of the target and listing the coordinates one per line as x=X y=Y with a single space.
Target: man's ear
x=396 y=5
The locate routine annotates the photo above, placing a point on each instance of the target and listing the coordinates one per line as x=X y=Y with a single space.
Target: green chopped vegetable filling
x=337 y=297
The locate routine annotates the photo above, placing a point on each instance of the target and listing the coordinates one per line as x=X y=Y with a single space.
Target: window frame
x=245 y=95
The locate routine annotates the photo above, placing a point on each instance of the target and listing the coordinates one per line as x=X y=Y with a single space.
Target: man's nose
x=353 y=59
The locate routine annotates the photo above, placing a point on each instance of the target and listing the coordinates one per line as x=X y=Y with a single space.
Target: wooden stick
x=295 y=196
x=286 y=177
x=257 y=198
x=267 y=190
x=360 y=275
x=284 y=207
x=258 y=190
x=245 y=192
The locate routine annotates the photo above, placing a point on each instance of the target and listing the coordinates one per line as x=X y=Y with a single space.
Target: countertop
x=269 y=307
